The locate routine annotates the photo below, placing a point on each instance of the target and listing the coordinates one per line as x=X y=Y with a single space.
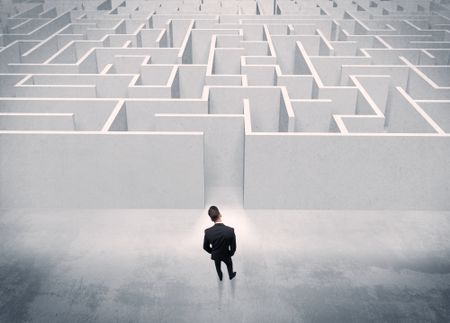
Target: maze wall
x=293 y=104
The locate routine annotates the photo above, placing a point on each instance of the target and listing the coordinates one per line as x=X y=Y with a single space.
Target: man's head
x=214 y=213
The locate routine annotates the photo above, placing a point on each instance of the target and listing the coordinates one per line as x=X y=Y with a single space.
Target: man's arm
x=233 y=244
x=206 y=245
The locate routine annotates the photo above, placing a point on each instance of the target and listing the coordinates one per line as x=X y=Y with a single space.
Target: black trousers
x=227 y=262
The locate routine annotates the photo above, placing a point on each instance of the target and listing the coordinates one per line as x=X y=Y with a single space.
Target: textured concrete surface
x=293 y=266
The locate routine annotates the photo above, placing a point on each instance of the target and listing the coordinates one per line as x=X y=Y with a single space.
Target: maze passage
x=288 y=104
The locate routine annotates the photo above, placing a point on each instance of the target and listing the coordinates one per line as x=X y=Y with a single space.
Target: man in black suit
x=223 y=241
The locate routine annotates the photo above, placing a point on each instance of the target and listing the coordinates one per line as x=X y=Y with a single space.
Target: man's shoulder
x=219 y=227
x=209 y=229
x=229 y=228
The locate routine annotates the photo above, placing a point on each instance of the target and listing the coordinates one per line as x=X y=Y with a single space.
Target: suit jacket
x=222 y=239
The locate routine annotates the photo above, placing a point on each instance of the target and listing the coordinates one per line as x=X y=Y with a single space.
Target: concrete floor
x=293 y=266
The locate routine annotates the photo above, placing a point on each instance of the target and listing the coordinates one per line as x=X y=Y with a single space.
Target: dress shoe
x=233 y=275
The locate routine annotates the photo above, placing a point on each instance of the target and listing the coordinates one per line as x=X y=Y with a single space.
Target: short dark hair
x=213 y=213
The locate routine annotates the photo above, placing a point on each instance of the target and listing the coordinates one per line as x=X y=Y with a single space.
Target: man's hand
x=233 y=245
x=206 y=245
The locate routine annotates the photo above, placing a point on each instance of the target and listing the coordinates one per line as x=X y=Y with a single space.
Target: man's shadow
x=220 y=292
x=220 y=288
x=233 y=288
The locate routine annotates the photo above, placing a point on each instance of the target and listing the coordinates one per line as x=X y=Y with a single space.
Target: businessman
x=223 y=242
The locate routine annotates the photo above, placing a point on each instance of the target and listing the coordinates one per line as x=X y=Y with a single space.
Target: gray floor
x=293 y=266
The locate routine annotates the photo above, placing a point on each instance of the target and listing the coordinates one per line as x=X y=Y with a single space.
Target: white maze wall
x=297 y=104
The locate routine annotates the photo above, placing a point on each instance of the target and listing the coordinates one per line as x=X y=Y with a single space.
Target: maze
x=313 y=104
